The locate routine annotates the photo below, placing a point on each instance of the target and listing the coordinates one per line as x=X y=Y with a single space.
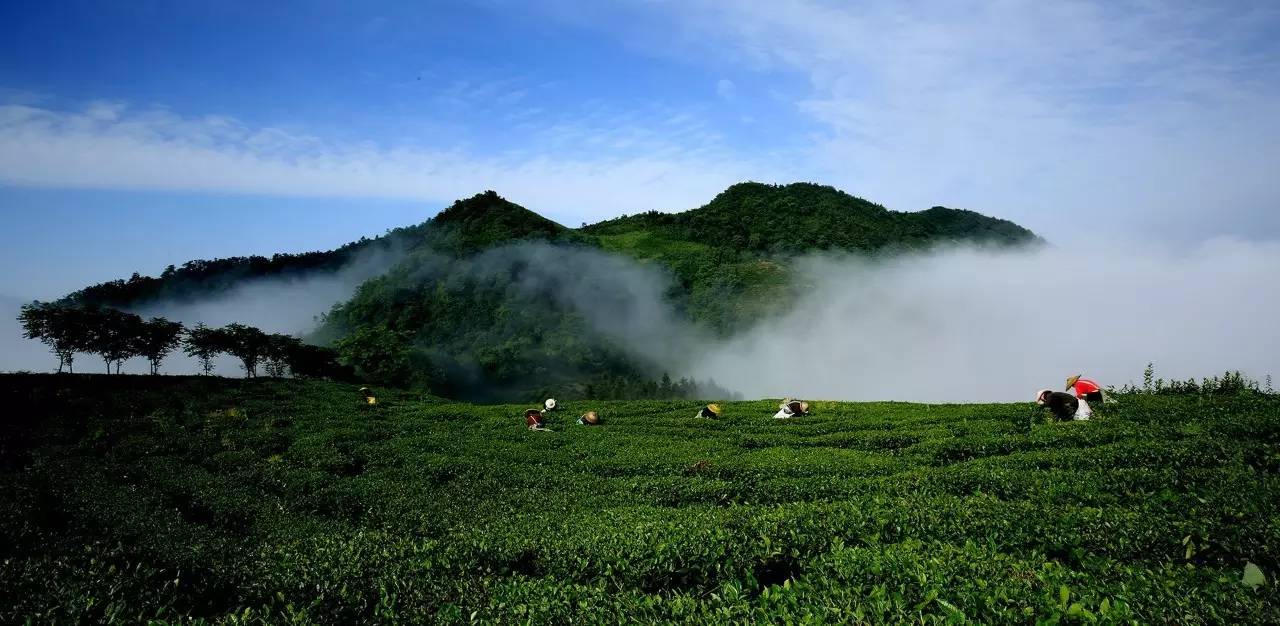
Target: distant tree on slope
x=204 y=344
x=158 y=338
x=64 y=329
x=248 y=344
x=113 y=335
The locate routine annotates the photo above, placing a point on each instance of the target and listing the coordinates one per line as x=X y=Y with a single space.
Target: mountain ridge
x=477 y=309
x=804 y=216
x=486 y=219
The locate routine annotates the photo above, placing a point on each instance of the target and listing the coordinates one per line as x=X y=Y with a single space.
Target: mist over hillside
x=767 y=290
x=499 y=303
x=964 y=324
x=17 y=353
x=289 y=303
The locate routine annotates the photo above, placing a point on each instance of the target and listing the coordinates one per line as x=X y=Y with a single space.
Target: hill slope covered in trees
x=492 y=301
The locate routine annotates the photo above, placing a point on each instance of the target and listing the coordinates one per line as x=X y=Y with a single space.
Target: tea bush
x=212 y=501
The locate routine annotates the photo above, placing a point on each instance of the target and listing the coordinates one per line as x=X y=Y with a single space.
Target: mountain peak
x=487 y=218
x=800 y=216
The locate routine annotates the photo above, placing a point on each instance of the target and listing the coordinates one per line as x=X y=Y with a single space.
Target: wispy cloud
x=1135 y=116
x=726 y=89
x=471 y=94
x=594 y=168
x=1143 y=114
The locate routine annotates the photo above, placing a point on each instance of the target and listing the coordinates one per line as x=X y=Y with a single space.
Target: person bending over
x=1085 y=389
x=791 y=408
x=1064 y=406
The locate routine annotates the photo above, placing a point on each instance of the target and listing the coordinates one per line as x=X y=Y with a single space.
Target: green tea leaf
x=1253 y=576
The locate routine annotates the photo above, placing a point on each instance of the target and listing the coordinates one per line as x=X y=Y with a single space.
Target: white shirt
x=1083 y=412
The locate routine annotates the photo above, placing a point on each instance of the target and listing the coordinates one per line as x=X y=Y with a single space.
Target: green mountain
x=493 y=301
x=486 y=220
x=801 y=217
x=731 y=255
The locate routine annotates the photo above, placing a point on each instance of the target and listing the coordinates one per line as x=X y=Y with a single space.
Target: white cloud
x=580 y=172
x=966 y=325
x=1143 y=118
x=726 y=89
x=1146 y=116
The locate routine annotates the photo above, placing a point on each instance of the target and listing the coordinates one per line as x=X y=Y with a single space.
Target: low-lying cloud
x=969 y=325
x=955 y=324
x=618 y=297
x=290 y=304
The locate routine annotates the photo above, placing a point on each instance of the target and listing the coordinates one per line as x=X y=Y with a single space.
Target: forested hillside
x=201 y=278
x=755 y=218
x=492 y=301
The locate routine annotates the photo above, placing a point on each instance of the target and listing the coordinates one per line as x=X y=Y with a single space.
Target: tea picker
x=1086 y=389
x=533 y=420
x=591 y=418
x=1064 y=406
x=791 y=408
x=711 y=411
x=367 y=396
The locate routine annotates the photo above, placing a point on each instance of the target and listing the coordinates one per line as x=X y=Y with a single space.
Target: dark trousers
x=1093 y=397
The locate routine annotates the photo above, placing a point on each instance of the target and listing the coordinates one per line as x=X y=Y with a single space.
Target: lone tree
x=66 y=330
x=159 y=338
x=247 y=344
x=203 y=344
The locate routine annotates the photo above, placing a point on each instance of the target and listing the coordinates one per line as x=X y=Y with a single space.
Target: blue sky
x=137 y=134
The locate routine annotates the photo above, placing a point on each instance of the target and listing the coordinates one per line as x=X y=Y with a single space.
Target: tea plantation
x=201 y=500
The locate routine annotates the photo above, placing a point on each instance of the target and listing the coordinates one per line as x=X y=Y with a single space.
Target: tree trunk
x=108 y=366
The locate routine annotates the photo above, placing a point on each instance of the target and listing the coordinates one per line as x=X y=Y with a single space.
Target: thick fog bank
x=957 y=324
x=289 y=304
x=968 y=325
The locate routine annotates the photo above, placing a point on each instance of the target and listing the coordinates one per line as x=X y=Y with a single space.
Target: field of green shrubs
x=202 y=500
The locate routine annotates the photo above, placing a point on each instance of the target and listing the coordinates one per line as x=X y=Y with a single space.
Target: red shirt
x=1085 y=386
x=532 y=418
